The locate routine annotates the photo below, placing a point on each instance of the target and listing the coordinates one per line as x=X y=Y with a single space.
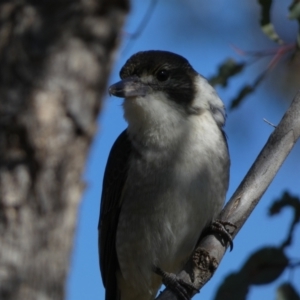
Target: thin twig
x=268 y=122
x=141 y=26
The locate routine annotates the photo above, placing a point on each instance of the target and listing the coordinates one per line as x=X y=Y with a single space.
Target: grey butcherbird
x=166 y=176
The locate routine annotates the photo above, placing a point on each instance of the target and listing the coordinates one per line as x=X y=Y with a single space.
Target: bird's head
x=162 y=89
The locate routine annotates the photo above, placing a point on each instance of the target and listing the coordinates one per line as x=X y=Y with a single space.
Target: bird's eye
x=162 y=75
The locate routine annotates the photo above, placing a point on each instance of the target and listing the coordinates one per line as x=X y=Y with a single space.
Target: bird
x=166 y=176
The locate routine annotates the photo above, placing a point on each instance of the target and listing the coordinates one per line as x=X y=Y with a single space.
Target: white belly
x=163 y=213
x=168 y=199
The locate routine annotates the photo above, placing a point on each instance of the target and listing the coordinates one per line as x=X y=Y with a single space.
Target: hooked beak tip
x=112 y=90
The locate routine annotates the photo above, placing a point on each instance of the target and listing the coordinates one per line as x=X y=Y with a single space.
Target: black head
x=171 y=73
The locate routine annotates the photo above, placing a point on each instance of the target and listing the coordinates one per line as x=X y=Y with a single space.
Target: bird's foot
x=218 y=226
x=184 y=290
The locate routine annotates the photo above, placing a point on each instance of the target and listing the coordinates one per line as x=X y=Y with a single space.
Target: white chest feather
x=173 y=190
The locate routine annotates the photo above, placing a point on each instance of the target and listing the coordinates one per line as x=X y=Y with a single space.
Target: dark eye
x=162 y=75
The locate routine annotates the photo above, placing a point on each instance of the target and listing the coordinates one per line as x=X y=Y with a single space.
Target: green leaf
x=226 y=70
x=287 y=200
x=265 y=265
x=265 y=21
x=294 y=10
x=234 y=286
x=246 y=90
x=287 y=292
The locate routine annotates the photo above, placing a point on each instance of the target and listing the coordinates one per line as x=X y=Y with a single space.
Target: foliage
x=268 y=263
x=230 y=68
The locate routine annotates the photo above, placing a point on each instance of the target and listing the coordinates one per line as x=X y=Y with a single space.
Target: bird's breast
x=168 y=198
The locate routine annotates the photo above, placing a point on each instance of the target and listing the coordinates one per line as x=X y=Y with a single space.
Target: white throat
x=154 y=120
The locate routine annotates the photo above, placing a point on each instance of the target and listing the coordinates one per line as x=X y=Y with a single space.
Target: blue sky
x=203 y=33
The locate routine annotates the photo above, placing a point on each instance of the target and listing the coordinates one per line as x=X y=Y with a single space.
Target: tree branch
x=210 y=250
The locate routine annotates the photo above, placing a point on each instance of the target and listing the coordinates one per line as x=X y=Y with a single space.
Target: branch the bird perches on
x=210 y=250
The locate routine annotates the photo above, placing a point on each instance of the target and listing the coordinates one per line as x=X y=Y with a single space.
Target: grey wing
x=113 y=182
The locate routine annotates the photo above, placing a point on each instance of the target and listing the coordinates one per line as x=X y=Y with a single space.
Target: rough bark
x=211 y=250
x=55 y=58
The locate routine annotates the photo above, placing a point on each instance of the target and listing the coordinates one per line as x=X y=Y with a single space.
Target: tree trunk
x=55 y=58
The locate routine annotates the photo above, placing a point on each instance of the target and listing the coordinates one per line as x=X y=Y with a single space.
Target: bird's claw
x=218 y=226
x=184 y=290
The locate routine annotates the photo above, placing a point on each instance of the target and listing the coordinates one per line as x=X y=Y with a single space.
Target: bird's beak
x=129 y=87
